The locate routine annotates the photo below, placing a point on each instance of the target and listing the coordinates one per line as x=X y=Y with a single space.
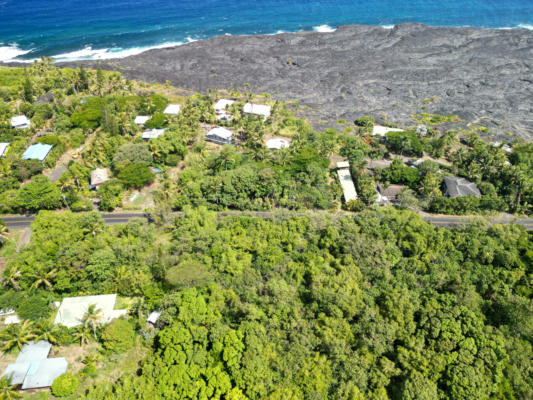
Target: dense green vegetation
x=380 y=306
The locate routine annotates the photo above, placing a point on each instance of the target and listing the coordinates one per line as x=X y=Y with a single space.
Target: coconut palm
x=46 y=330
x=3 y=232
x=11 y=275
x=7 y=390
x=43 y=278
x=17 y=335
x=83 y=335
x=92 y=318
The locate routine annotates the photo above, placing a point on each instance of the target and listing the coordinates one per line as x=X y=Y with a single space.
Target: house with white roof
x=277 y=144
x=72 y=309
x=172 y=109
x=3 y=149
x=153 y=134
x=141 y=119
x=20 y=122
x=220 y=136
x=98 y=177
x=383 y=130
x=33 y=369
x=257 y=109
x=221 y=109
x=345 y=179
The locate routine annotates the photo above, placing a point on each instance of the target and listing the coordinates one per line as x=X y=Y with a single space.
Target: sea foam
x=324 y=29
x=11 y=52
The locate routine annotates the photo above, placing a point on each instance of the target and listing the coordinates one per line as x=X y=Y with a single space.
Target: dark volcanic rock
x=483 y=76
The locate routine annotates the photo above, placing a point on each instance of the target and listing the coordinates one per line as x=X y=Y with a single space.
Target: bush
x=25 y=169
x=118 y=336
x=405 y=143
x=39 y=194
x=34 y=307
x=158 y=120
x=90 y=113
x=172 y=160
x=365 y=121
x=64 y=385
x=132 y=154
x=110 y=195
x=354 y=205
x=136 y=175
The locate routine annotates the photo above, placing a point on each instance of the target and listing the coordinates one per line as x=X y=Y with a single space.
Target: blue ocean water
x=99 y=29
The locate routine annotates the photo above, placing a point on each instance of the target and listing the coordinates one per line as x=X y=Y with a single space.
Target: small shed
x=12 y=320
x=372 y=164
x=390 y=193
x=379 y=130
x=37 y=151
x=141 y=119
x=257 y=109
x=153 y=134
x=277 y=143
x=3 y=149
x=172 y=109
x=20 y=122
x=222 y=105
x=153 y=317
x=98 y=177
x=460 y=187
x=220 y=136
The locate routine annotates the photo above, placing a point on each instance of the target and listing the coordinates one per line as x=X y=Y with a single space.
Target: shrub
x=354 y=205
x=34 y=307
x=132 y=154
x=118 y=336
x=172 y=160
x=110 y=195
x=90 y=113
x=136 y=175
x=64 y=385
x=365 y=121
x=24 y=169
x=158 y=120
x=39 y=194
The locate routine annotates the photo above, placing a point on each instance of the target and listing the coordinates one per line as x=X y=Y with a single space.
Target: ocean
x=69 y=30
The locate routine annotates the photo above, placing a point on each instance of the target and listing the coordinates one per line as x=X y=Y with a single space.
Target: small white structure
x=11 y=320
x=222 y=105
x=153 y=317
x=220 y=136
x=277 y=144
x=99 y=176
x=153 y=134
x=72 y=309
x=172 y=109
x=3 y=149
x=20 y=122
x=141 y=119
x=383 y=130
x=505 y=147
x=345 y=178
x=257 y=109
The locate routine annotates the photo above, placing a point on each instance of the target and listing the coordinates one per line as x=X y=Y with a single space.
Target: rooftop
x=72 y=309
x=34 y=351
x=383 y=130
x=141 y=119
x=222 y=103
x=3 y=148
x=173 y=109
x=460 y=187
x=257 y=109
x=153 y=134
x=277 y=143
x=348 y=187
x=99 y=176
x=221 y=133
x=371 y=164
x=37 y=151
x=20 y=121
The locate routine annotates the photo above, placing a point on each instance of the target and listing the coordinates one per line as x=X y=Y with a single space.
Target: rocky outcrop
x=482 y=76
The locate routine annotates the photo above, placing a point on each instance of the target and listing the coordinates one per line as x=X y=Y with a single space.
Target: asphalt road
x=24 y=221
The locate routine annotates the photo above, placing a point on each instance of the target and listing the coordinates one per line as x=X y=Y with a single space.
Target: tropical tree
x=92 y=318
x=82 y=335
x=10 y=277
x=43 y=278
x=17 y=335
x=46 y=330
x=7 y=390
x=3 y=232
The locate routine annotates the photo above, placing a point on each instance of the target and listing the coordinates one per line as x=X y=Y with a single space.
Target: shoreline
x=87 y=53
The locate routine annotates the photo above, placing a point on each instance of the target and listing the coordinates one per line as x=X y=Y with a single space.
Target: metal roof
x=72 y=309
x=141 y=119
x=20 y=121
x=172 y=109
x=99 y=176
x=222 y=133
x=33 y=351
x=460 y=187
x=153 y=134
x=348 y=187
x=43 y=373
x=222 y=103
x=3 y=148
x=258 y=109
x=277 y=143
x=37 y=151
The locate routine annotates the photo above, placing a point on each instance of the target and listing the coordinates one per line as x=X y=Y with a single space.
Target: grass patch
x=434 y=119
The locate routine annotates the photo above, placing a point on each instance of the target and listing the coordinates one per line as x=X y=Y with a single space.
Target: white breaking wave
x=387 y=26
x=11 y=52
x=324 y=29
x=526 y=26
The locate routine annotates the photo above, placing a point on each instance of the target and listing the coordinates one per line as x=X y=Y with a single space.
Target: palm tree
x=43 y=278
x=92 y=318
x=3 y=232
x=83 y=335
x=7 y=390
x=17 y=335
x=47 y=331
x=11 y=275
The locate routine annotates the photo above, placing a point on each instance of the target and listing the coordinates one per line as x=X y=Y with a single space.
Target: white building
x=141 y=119
x=3 y=149
x=172 y=109
x=383 y=130
x=20 y=122
x=222 y=105
x=73 y=309
x=257 y=109
x=153 y=134
x=345 y=179
x=220 y=136
x=277 y=143
x=99 y=176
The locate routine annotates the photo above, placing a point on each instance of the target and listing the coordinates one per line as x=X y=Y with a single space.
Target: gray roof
x=460 y=187
x=17 y=372
x=43 y=373
x=391 y=191
x=34 y=351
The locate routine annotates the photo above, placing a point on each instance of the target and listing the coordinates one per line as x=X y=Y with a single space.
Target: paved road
x=24 y=221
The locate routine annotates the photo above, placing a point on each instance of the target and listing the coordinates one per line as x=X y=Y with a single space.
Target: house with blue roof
x=37 y=151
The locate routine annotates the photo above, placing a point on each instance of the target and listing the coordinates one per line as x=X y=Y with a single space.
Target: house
x=383 y=130
x=153 y=317
x=373 y=164
x=460 y=187
x=345 y=179
x=153 y=134
x=72 y=309
x=220 y=136
x=257 y=109
x=389 y=194
x=3 y=149
x=20 y=122
x=277 y=144
x=37 y=151
x=33 y=369
x=172 y=109
x=99 y=176
x=222 y=105
x=141 y=119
